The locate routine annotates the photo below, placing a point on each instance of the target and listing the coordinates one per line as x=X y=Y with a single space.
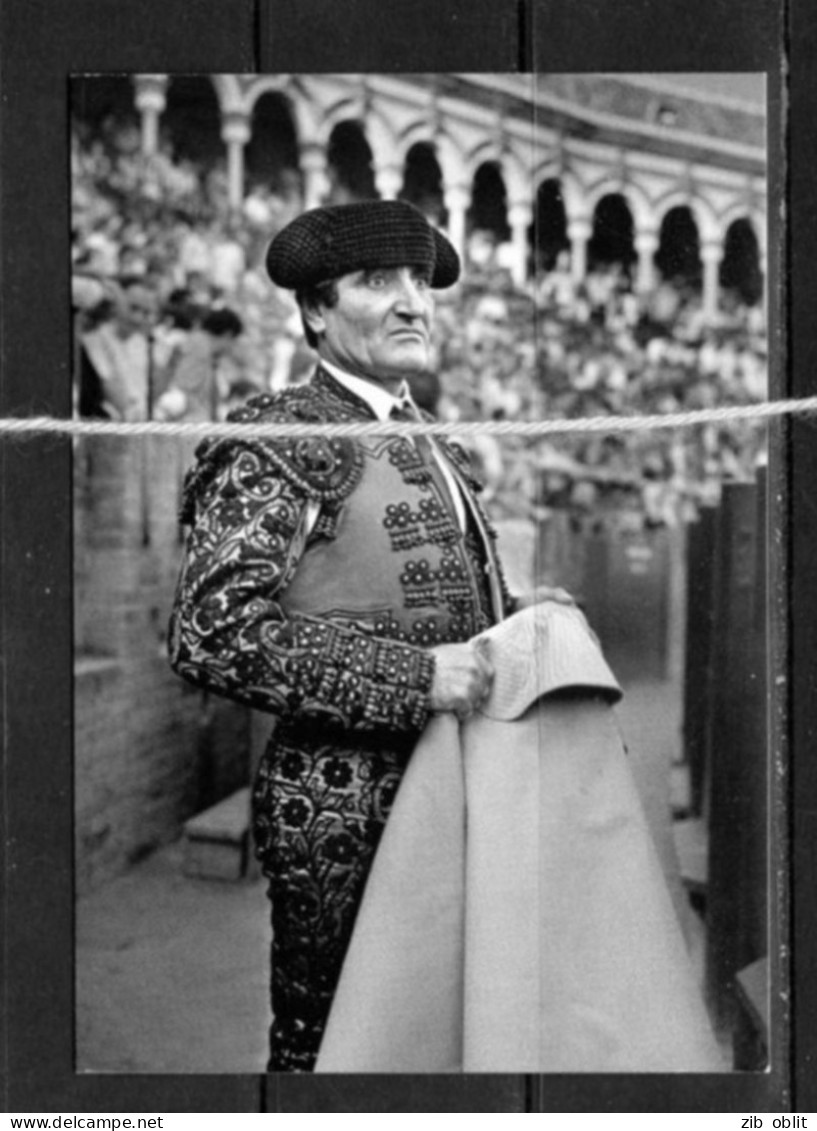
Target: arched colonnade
x=719 y=183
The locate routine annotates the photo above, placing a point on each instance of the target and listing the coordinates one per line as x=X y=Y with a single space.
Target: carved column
x=150 y=91
x=646 y=245
x=520 y=218
x=235 y=133
x=316 y=180
x=711 y=256
x=456 y=199
x=579 y=231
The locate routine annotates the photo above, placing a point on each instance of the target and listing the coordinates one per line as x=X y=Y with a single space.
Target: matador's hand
x=462 y=678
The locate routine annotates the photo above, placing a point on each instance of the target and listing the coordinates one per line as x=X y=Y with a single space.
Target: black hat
x=325 y=243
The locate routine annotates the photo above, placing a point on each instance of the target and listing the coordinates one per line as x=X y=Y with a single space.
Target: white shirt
x=377 y=397
x=382 y=402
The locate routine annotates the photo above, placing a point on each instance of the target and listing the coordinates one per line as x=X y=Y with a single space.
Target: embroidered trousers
x=319 y=809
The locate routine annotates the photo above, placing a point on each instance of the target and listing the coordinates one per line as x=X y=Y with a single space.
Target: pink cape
x=516 y=918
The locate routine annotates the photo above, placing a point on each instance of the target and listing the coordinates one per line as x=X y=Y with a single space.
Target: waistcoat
x=391 y=559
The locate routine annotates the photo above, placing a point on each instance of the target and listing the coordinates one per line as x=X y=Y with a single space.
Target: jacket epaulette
x=325 y=469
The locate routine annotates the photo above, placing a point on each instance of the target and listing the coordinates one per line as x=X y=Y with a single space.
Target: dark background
x=43 y=41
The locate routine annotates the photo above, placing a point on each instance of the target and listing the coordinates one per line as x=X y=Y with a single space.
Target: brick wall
x=149 y=750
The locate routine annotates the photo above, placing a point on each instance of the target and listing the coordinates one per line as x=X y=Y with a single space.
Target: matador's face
x=380 y=326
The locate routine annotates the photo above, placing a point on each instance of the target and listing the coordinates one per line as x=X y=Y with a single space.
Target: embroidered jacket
x=319 y=572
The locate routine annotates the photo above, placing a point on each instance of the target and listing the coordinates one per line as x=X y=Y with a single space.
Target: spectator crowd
x=175 y=319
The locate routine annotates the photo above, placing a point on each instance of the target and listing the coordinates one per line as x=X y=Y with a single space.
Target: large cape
x=516 y=918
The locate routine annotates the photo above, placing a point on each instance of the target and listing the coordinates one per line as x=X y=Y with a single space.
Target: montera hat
x=325 y=243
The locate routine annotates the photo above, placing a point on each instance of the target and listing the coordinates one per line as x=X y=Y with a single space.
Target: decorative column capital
x=235 y=127
x=456 y=197
x=389 y=180
x=646 y=241
x=579 y=229
x=712 y=250
x=150 y=93
x=520 y=214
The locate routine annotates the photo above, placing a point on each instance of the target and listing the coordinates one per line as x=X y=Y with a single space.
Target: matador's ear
x=312 y=315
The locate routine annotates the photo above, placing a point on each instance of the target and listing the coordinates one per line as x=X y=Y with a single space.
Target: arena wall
x=150 y=751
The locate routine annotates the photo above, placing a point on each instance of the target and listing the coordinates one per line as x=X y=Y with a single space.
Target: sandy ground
x=172 y=973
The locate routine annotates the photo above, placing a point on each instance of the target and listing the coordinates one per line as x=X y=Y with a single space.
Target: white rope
x=25 y=427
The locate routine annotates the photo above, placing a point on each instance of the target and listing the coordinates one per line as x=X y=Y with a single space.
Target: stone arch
x=741 y=272
x=752 y=214
x=417 y=133
x=191 y=121
x=447 y=152
x=548 y=233
x=271 y=155
x=573 y=189
x=423 y=182
x=489 y=202
x=708 y=227
x=305 y=105
x=346 y=109
x=612 y=240
x=372 y=122
x=679 y=246
x=349 y=163
x=515 y=175
x=636 y=199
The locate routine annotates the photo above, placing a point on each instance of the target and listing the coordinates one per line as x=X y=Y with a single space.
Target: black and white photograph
x=427 y=722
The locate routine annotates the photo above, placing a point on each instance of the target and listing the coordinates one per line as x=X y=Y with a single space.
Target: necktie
x=428 y=452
